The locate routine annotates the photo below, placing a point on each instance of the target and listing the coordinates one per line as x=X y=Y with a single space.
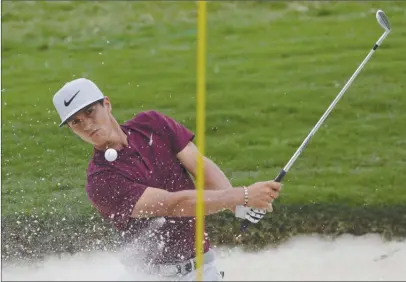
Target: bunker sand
x=301 y=258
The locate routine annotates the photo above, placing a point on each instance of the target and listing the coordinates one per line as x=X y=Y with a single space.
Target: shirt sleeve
x=179 y=135
x=114 y=196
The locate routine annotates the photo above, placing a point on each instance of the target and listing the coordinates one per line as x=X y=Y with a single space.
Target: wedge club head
x=383 y=20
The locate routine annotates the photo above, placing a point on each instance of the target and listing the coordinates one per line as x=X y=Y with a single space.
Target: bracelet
x=245 y=196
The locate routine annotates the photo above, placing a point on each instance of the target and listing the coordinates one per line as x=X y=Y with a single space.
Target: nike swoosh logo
x=67 y=103
x=150 y=140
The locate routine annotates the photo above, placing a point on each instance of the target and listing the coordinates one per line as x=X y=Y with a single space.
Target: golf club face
x=383 y=20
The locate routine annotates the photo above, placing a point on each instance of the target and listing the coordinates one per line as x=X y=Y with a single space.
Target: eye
x=89 y=111
x=75 y=122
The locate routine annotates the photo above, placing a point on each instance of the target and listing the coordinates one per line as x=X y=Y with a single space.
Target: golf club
x=384 y=22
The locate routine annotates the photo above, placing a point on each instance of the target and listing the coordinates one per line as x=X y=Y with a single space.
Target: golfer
x=148 y=190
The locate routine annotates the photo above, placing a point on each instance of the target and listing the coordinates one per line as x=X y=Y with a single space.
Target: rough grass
x=272 y=70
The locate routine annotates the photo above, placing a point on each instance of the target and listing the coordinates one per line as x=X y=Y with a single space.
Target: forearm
x=214 y=201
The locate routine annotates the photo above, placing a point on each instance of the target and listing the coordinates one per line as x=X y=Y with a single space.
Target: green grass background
x=272 y=70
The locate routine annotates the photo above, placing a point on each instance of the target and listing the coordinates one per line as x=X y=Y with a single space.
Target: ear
x=107 y=103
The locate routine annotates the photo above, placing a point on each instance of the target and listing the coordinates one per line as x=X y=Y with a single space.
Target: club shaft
x=283 y=172
x=332 y=105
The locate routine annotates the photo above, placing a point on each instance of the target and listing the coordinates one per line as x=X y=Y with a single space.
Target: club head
x=383 y=20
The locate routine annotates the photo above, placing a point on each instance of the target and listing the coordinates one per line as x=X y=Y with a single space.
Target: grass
x=272 y=70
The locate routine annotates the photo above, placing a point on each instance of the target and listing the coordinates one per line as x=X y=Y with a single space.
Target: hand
x=262 y=194
x=253 y=215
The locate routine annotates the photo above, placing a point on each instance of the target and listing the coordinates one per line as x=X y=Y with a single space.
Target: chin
x=98 y=141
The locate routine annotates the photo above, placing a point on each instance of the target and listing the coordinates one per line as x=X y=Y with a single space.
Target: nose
x=87 y=125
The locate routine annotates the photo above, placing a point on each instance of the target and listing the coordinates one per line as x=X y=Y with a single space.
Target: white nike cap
x=74 y=96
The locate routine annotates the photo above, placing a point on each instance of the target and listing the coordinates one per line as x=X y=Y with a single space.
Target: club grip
x=280 y=176
x=245 y=223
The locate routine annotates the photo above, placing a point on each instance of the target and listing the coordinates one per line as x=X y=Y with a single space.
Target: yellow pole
x=201 y=77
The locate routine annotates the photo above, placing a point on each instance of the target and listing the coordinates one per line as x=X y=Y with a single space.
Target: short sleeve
x=180 y=136
x=114 y=196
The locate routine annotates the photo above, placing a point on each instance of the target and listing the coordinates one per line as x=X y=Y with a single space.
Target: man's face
x=93 y=124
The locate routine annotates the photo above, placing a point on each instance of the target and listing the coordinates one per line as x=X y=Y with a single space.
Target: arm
x=118 y=198
x=157 y=202
x=181 y=139
x=214 y=177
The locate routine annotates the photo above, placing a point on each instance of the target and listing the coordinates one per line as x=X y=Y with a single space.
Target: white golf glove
x=253 y=215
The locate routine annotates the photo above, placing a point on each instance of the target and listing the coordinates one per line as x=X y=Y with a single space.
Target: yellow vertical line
x=200 y=107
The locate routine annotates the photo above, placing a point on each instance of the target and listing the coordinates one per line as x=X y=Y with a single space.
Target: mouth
x=93 y=132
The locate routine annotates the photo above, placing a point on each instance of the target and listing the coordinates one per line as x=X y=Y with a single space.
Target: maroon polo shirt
x=149 y=159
